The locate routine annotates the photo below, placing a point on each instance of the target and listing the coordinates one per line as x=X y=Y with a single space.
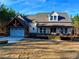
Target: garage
x=18 y=27
x=17 y=32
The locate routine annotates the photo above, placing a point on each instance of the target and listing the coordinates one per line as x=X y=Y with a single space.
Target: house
x=40 y=24
x=50 y=23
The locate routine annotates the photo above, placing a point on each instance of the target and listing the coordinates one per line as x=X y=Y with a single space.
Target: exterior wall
x=33 y=28
x=70 y=30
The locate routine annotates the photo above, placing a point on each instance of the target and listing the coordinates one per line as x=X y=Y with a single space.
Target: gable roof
x=23 y=21
x=44 y=17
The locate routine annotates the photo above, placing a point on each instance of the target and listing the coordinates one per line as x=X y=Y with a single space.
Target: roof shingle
x=44 y=17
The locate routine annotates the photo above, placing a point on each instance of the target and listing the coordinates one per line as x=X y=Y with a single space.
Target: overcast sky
x=36 y=6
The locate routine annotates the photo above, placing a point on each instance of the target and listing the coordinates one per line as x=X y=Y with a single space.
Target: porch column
x=38 y=30
x=48 y=30
x=60 y=30
x=57 y=30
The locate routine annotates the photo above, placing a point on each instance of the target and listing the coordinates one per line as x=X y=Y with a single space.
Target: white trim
x=42 y=31
x=54 y=14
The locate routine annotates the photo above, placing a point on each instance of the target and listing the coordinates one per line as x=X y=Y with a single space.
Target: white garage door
x=17 y=32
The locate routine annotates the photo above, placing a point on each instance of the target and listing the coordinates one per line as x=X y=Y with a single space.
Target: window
x=33 y=28
x=43 y=30
x=55 y=17
x=65 y=30
x=51 y=17
x=62 y=30
x=40 y=30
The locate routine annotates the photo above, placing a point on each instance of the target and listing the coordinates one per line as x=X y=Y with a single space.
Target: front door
x=53 y=30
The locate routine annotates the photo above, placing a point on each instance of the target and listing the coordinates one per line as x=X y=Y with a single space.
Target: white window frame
x=42 y=30
x=54 y=14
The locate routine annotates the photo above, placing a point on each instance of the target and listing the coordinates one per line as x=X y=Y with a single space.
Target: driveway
x=11 y=39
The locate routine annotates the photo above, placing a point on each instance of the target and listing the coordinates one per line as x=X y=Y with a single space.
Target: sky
x=43 y=6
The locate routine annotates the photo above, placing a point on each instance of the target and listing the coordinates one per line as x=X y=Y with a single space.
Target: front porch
x=53 y=30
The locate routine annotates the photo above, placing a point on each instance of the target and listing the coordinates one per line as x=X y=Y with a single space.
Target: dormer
x=53 y=16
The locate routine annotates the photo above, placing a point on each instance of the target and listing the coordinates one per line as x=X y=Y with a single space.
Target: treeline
x=75 y=21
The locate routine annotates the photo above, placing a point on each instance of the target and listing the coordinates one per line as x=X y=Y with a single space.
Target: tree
x=75 y=21
x=5 y=15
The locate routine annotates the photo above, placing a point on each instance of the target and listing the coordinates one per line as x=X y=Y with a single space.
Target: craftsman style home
x=40 y=24
x=49 y=23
